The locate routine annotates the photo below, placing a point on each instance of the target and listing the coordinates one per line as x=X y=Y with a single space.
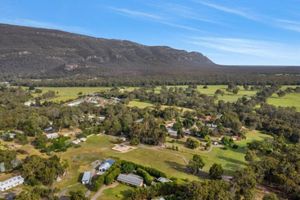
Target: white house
x=52 y=136
x=86 y=178
x=105 y=165
x=10 y=183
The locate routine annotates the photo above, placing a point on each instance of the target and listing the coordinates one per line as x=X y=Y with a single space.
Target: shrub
x=97 y=182
x=146 y=176
x=112 y=176
x=192 y=143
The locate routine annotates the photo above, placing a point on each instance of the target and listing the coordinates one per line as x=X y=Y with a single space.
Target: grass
x=140 y=104
x=230 y=159
x=116 y=193
x=70 y=93
x=173 y=163
x=289 y=100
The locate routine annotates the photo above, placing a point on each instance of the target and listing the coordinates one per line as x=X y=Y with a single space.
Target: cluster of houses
x=79 y=140
x=11 y=183
x=130 y=179
x=50 y=133
x=93 y=99
x=100 y=169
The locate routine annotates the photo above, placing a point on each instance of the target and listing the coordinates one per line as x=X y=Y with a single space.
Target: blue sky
x=265 y=32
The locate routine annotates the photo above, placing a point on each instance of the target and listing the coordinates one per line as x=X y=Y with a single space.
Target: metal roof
x=86 y=176
x=131 y=179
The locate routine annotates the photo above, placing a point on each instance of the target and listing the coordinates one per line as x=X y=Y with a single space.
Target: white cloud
x=288 y=24
x=235 y=11
x=153 y=17
x=136 y=13
x=285 y=53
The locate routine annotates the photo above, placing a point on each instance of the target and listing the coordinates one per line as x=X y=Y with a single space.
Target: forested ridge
x=43 y=57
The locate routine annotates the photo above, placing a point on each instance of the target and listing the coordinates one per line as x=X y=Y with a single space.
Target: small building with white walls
x=11 y=183
x=86 y=178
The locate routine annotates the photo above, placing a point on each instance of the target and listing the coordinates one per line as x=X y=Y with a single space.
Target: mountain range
x=27 y=52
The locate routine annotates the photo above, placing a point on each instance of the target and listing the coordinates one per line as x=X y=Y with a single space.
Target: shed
x=52 y=135
x=172 y=132
x=163 y=180
x=10 y=183
x=131 y=179
x=2 y=167
x=86 y=178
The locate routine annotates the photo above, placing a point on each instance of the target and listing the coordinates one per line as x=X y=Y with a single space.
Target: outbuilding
x=86 y=178
x=131 y=179
x=10 y=183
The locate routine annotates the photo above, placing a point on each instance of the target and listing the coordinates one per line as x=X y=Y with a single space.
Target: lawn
x=173 y=163
x=70 y=93
x=139 y=104
x=116 y=193
x=289 y=100
x=230 y=159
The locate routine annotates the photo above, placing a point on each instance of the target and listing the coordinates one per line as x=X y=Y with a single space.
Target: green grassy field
x=289 y=100
x=228 y=96
x=70 y=93
x=173 y=163
x=116 y=193
x=230 y=159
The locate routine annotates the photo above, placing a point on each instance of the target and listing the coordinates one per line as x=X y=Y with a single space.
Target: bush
x=127 y=167
x=152 y=171
x=97 y=182
x=146 y=176
x=192 y=143
x=216 y=171
x=112 y=176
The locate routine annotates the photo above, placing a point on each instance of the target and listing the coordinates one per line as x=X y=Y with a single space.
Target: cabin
x=86 y=178
x=172 y=132
x=11 y=183
x=49 y=129
x=105 y=165
x=163 y=180
x=52 y=136
x=131 y=179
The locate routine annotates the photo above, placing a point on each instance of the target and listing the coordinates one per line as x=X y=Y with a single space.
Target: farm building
x=172 y=132
x=131 y=179
x=105 y=165
x=2 y=167
x=86 y=178
x=163 y=180
x=52 y=136
x=10 y=183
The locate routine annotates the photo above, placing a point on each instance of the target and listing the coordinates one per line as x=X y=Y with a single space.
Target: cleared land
x=169 y=161
x=70 y=93
x=289 y=100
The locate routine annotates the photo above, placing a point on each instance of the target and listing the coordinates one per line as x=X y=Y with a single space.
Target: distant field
x=70 y=93
x=173 y=163
x=289 y=100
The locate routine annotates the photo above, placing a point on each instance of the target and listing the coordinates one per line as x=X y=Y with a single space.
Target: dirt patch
x=123 y=148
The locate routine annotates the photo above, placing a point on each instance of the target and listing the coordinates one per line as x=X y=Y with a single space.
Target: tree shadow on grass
x=126 y=193
x=183 y=168
x=232 y=160
x=177 y=166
